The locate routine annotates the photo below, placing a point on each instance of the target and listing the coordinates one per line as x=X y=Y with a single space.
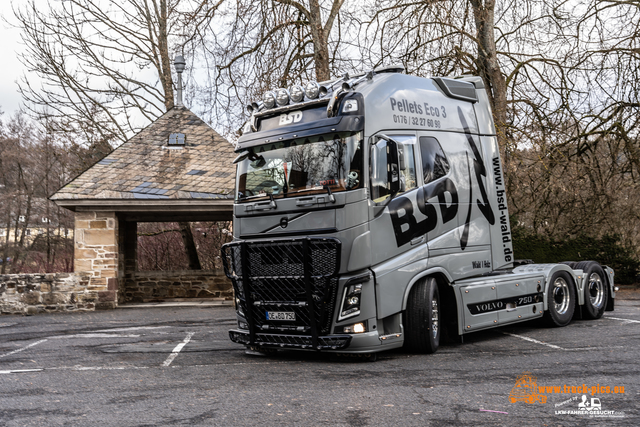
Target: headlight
x=282 y=97
x=297 y=93
x=239 y=307
x=351 y=301
x=269 y=99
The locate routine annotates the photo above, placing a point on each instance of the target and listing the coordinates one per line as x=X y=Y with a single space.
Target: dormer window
x=176 y=139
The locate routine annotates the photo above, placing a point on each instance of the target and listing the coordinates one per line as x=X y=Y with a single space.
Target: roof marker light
x=350 y=106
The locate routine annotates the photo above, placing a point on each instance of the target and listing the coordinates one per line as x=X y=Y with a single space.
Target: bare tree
x=32 y=165
x=269 y=44
x=160 y=246
x=106 y=62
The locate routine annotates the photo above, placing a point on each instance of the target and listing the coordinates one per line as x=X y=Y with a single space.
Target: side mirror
x=393 y=166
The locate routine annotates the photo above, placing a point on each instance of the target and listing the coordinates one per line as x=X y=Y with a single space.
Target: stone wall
x=145 y=286
x=42 y=293
x=96 y=253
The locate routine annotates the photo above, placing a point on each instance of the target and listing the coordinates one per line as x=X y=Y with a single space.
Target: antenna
x=180 y=64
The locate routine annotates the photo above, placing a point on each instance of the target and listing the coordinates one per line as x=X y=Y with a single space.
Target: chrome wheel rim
x=596 y=290
x=561 y=295
x=434 y=316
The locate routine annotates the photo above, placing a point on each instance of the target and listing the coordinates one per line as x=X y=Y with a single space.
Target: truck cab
x=371 y=213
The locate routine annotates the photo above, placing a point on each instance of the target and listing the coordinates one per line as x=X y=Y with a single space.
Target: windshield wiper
x=273 y=202
x=332 y=199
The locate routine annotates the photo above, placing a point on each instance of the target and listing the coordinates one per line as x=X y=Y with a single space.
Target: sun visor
x=457 y=89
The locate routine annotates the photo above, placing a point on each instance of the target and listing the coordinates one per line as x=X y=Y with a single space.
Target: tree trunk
x=190 y=246
x=320 y=48
x=483 y=11
x=5 y=250
x=164 y=70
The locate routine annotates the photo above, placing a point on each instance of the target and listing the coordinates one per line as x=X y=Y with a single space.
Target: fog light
x=312 y=90
x=357 y=328
x=269 y=99
x=297 y=93
x=282 y=97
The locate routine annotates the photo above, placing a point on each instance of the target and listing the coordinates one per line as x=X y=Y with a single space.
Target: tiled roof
x=147 y=167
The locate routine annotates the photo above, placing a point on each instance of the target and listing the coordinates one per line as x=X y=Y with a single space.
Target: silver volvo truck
x=371 y=213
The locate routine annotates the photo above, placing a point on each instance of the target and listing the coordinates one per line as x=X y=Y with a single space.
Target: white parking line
x=96 y=368
x=21 y=349
x=19 y=371
x=624 y=320
x=535 y=341
x=176 y=350
x=57 y=337
x=561 y=348
x=133 y=328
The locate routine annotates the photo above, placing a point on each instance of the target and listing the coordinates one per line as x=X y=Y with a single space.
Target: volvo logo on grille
x=284 y=221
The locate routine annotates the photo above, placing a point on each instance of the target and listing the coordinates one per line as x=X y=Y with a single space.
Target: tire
x=571 y=264
x=422 y=319
x=561 y=299
x=595 y=290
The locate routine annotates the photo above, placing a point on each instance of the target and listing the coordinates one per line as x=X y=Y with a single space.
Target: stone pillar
x=96 y=252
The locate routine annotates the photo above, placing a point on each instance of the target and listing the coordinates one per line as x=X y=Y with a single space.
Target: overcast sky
x=12 y=69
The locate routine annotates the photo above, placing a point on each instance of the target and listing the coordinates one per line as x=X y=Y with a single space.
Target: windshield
x=297 y=166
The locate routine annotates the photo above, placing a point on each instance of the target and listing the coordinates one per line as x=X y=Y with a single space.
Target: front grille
x=294 y=276
x=336 y=342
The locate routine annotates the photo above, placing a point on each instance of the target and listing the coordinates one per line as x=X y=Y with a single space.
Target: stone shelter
x=176 y=169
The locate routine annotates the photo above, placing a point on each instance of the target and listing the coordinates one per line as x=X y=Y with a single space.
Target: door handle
x=307 y=201
x=417 y=240
x=264 y=206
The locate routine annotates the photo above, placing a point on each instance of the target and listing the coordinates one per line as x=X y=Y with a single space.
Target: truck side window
x=434 y=163
x=378 y=167
x=407 y=159
x=378 y=171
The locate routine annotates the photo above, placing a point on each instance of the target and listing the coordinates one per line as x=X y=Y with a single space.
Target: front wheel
x=561 y=299
x=422 y=317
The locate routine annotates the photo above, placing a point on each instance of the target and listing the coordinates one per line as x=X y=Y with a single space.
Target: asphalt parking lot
x=176 y=366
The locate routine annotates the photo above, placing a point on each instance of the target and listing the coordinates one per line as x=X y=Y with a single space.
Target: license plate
x=281 y=315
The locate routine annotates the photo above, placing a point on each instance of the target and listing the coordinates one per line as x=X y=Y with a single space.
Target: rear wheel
x=422 y=317
x=595 y=291
x=561 y=299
